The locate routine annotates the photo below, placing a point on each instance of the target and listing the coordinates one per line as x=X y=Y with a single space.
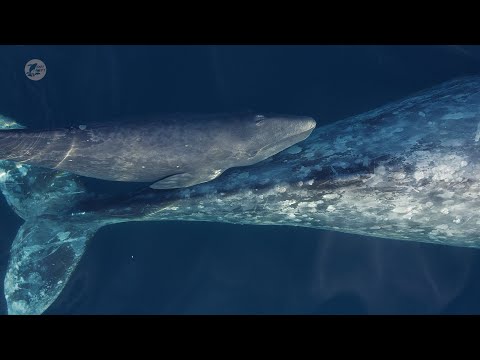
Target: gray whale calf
x=409 y=170
x=172 y=151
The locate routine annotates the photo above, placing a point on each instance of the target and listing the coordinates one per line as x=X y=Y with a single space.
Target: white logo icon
x=35 y=69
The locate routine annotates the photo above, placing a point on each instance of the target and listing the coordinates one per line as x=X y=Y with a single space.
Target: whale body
x=409 y=170
x=170 y=151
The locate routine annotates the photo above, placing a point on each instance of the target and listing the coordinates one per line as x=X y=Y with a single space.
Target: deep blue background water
x=208 y=268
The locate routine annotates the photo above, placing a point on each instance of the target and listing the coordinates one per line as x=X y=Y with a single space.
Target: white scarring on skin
x=477 y=135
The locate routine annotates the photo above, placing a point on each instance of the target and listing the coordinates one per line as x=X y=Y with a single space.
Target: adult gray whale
x=172 y=151
x=409 y=170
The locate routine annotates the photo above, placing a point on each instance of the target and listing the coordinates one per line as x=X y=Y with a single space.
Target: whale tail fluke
x=49 y=245
x=43 y=256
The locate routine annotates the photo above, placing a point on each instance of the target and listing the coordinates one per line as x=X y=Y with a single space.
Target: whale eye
x=259 y=119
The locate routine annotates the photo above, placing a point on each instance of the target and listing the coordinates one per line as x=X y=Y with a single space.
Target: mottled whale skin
x=409 y=170
x=171 y=151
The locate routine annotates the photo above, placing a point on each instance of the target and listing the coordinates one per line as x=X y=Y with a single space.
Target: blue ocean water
x=209 y=268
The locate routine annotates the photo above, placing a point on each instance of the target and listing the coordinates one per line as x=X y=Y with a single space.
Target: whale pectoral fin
x=185 y=179
x=175 y=181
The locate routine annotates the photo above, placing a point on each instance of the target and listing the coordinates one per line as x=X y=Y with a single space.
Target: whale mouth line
x=288 y=141
x=303 y=134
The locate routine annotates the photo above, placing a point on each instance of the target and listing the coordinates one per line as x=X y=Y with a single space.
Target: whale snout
x=298 y=127
x=285 y=129
x=279 y=132
x=281 y=126
x=306 y=124
x=311 y=123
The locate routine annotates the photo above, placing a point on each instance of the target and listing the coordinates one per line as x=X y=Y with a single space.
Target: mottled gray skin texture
x=409 y=170
x=183 y=150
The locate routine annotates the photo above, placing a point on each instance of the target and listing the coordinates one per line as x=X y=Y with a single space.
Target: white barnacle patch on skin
x=287 y=203
x=442 y=229
x=444 y=172
x=307 y=205
x=419 y=175
x=376 y=177
x=331 y=196
x=445 y=211
x=400 y=209
x=63 y=235
x=458 y=115
x=294 y=150
x=439 y=168
x=398 y=175
x=457 y=220
x=82 y=127
x=421 y=113
x=3 y=176
x=330 y=208
x=22 y=169
x=280 y=189
x=380 y=170
x=446 y=195
x=477 y=134
x=19 y=307
x=310 y=182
